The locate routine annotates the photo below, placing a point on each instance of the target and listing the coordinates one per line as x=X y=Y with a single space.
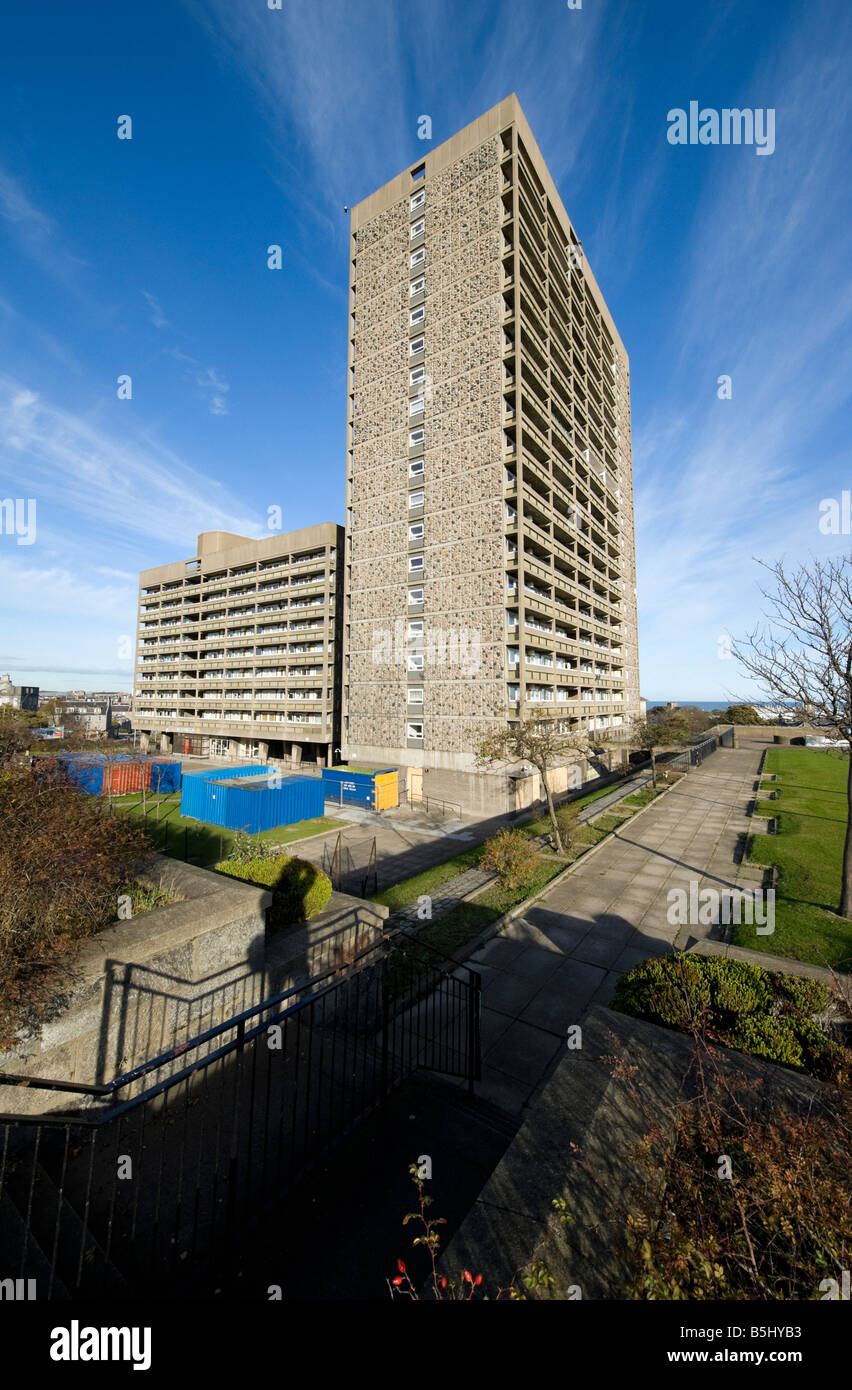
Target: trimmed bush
x=512 y=856
x=737 y=987
x=772 y=1038
x=730 y=1002
x=669 y=990
x=570 y=826
x=806 y=997
x=299 y=888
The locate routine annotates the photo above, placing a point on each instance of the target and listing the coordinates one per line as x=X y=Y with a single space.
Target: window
x=415 y=661
x=417 y=286
x=415 y=694
x=417 y=257
x=416 y=375
x=416 y=499
x=416 y=437
x=416 y=228
x=417 y=405
x=415 y=563
x=417 y=200
x=417 y=316
x=419 y=172
x=416 y=531
x=415 y=732
x=416 y=468
x=415 y=596
x=417 y=345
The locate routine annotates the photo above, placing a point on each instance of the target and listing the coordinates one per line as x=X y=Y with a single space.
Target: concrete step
x=21 y=1256
x=66 y=1240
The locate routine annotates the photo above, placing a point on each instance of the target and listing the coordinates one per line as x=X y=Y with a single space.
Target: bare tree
x=803 y=654
x=538 y=742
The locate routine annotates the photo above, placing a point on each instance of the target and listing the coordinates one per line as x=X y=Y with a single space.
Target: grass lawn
x=451 y=933
x=183 y=837
x=808 y=853
x=401 y=894
x=466 y=921
x=644 y=797
x=541 y=825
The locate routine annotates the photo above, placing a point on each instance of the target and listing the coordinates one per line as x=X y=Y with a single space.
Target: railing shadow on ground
x=155 y=1178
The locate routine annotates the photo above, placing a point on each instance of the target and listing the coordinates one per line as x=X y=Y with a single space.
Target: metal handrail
x=107 y=1089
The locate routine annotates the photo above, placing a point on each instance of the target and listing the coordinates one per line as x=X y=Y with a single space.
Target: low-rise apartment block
x=238 y=649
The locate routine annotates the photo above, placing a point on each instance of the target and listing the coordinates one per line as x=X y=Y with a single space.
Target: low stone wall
x=153 y=982
x=344 y=928
x=578 y=1143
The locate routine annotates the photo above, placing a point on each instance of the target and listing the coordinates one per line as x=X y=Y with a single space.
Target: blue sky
x=254 y=126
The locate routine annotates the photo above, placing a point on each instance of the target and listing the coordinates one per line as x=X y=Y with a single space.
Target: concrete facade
x=490 y=564
x=239 y=648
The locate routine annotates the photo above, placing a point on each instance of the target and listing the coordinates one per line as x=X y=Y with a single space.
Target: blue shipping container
x=207 y=796
x=87 y=770
x=165 y=777
x=352 y=788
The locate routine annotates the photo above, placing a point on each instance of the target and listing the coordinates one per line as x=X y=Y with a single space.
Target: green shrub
x=823 y=1058
x=737 y=987
x=512 y=856
x=570 y=826
x=299 y=888
x=772 y=1038
x=806 y=997
x=670 y=990
x=246 y=848
x=737 y=1005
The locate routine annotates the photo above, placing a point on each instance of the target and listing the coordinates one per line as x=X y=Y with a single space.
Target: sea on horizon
x=718 y=704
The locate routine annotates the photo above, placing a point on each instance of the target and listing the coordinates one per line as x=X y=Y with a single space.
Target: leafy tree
x=533 y=741
x=741 y=714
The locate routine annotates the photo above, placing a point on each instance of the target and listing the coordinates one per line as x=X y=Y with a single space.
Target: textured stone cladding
x=463 y=548
x=630 y=629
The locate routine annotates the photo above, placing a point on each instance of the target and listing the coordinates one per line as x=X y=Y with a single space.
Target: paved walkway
x=409 y=841
x=443 y=899
x=547 y=967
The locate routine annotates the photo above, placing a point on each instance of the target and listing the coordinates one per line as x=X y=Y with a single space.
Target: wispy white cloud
x=765 y=298
x=209 y=381
x=158 y=318
x=117 y=574
x=343 y=98
x=83 y=475
x=36 y=232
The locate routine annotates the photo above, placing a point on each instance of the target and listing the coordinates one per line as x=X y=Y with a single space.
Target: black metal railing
x=435 y=805
x=694 y=755
x=351 y=872
x=153 y=1192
